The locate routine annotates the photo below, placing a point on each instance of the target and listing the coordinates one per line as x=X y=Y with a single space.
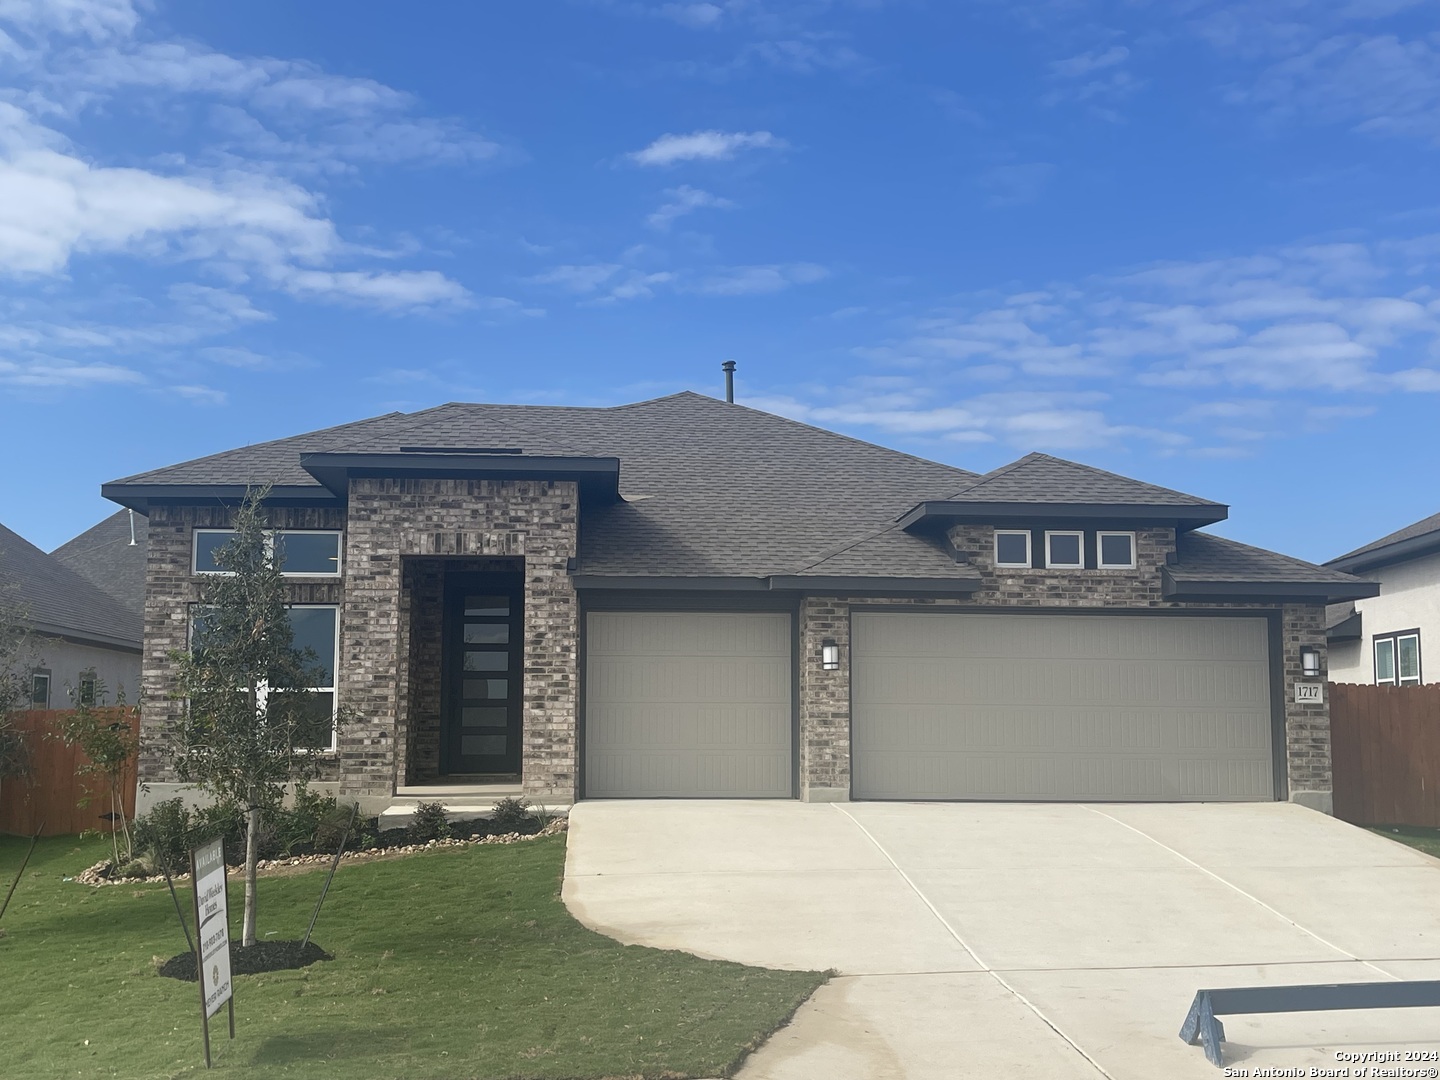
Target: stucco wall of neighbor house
x=825 y=695
x=118 y=669
x=1409 y=599
x=392 y=520
x=170 y=588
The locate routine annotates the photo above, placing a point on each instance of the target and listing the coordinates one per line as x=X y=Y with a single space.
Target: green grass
x=461 y=963
x=1417 y=836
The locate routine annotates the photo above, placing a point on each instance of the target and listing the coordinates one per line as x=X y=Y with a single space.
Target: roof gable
x=111 y=556
x=1421 y=538
x=1040 y=478
x=57 y=600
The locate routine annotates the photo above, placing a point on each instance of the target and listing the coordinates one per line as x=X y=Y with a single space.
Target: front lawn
x=1417 y=836
x=461 y=963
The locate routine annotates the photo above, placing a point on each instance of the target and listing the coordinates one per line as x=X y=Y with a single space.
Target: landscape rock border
x=102 y=872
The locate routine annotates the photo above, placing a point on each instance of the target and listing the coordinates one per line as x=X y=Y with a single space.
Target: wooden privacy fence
x=53 y=790
x=1385 y=746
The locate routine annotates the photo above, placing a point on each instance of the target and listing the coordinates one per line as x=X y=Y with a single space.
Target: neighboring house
x=689 y=598
x=1382 y=639
x=111 y=556
x=83 y=637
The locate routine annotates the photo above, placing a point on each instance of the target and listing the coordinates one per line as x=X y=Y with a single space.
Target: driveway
x=1022 y=940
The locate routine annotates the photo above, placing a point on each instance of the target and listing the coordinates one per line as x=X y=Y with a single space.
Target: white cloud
x=579 y=278
x=704 y=146
x=750 y=280
x=94 y=19
x=1087 y=63
x=53 y=373
x=693 y=15
x=685 y=200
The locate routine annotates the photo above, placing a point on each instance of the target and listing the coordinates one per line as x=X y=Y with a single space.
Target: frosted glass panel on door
x=487 y=661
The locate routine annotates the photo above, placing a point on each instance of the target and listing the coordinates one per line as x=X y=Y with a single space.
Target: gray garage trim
x=966 y=704
x=689 y=704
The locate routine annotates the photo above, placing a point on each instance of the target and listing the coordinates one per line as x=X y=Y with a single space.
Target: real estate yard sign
x=212 y=935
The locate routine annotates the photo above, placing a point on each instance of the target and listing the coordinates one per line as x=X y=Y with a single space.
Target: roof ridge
x=846 y=545
x=1003 y=470
x=1386 y=540
x=89 y=592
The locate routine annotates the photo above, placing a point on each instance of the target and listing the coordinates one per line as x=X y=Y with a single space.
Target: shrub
x=227 y=820
x=162 y=836
x=313 y=821
x=428 y=822
x=511 y=815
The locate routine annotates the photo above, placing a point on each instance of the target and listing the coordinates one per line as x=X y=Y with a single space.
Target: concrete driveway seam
x=986 y=968
x=1231 y=885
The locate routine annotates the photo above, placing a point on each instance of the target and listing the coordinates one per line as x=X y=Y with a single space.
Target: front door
x=482 y=671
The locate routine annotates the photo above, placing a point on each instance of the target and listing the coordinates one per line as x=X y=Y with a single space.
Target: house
x=111 y=556
x=82 y=637
x=685 y=597
x=1380 y=639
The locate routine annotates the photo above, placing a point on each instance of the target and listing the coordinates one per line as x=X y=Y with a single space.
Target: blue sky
x=1195 y=241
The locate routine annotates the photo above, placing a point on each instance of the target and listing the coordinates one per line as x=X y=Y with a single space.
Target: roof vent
x=729 y=368
x=461 y=450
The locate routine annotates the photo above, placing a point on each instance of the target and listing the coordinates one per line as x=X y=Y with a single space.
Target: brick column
x=824 y=702
x=1307 y=727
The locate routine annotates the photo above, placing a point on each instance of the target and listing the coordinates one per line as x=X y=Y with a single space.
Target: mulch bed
x=259 y=958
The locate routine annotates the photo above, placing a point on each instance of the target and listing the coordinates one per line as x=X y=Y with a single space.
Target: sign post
x=212 y=935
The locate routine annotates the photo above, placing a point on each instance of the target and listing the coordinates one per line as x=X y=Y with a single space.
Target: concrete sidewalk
x=1017 y=940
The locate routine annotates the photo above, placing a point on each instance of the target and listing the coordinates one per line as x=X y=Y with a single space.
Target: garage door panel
x=688 y=704
x=1060 y=707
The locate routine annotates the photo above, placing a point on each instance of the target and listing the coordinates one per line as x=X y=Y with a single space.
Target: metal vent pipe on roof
x=729 y=368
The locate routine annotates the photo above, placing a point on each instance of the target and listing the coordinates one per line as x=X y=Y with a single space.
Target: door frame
x=452 y=673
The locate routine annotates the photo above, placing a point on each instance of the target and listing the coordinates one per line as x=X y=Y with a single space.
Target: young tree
x=104 y=733
x=248 y=720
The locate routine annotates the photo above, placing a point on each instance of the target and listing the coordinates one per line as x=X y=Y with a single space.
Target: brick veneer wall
x=391 y=520
x=170 y=589
x=825 y=695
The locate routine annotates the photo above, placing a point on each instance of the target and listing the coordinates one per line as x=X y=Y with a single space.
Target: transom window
x=1115 y=550
x=1012 y=548
x=298 y=552
x=315 y=627
x=1064 y=550
x=1397 y=658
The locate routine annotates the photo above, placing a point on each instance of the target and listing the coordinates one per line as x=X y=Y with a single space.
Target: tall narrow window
x=40 y=690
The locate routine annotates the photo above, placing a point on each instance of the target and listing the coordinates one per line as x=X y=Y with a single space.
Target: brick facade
x=391 y=521
x=825 y=695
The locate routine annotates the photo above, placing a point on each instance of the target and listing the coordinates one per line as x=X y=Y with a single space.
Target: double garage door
x=944 y=706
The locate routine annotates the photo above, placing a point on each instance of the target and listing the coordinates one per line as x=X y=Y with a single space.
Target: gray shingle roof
x=1040 y=478
x=1202 y=556
x=1425 y=527
x=104 y=556
x=57 y=600
x=710 y=488
x=890 y=550
x=276 y=462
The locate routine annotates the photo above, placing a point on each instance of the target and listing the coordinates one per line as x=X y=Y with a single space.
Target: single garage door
x=687 y=704
x=1061 y=707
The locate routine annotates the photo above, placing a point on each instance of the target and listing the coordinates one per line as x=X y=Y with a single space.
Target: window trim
x=1051 y=564
x=35 y=675
x=339 y=570
x=1029 y=550
x=1393 y=639
x=333 y=689
x=1100 y=551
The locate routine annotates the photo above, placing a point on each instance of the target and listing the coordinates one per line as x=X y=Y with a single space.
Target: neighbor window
x=1012 y=548
x=1064 y=550
x=298 y=553
x=40 y=690
x=1397 y=658
x=314 y=627
x=85 y=694
x=1115 y=550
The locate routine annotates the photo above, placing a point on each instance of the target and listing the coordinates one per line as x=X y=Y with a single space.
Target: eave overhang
x=1346 y=630
x=1294 y=592
x=944 y=512
x=1400 y=551
x=84 y=637
x=140 y=497
x=782 y=583
x=598 y=477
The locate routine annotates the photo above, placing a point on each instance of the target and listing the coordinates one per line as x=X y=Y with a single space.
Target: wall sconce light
x=1310 y=662
x=829 y=654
